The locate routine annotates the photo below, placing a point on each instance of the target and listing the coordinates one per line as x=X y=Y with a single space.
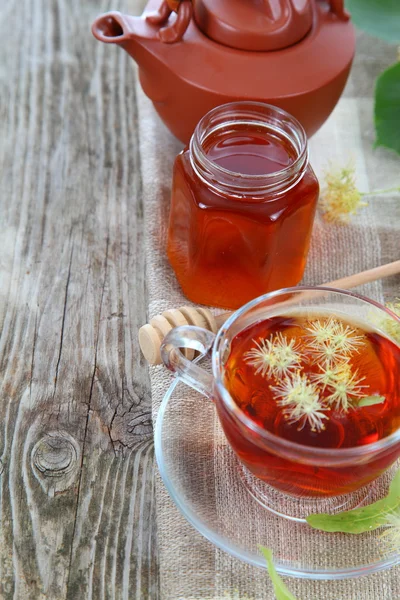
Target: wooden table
x=77 y=516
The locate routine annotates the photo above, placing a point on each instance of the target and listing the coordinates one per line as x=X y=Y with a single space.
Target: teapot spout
x=110 y=28
x=114 y=28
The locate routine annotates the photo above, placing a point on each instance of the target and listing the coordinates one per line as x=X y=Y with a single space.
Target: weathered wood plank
x=76 y=471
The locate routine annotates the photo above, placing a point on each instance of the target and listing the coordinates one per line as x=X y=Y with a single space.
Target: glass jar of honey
x=243 y=202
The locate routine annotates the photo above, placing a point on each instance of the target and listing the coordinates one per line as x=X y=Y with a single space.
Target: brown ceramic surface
x=187 y=78
x=263 y=25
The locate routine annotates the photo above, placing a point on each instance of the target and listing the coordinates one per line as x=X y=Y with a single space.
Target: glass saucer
x=205 y=480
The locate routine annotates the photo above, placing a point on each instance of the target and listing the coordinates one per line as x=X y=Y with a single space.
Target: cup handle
x=198 y=339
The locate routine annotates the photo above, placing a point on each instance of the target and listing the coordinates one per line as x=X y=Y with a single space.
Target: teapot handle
x=338 y=9
x=170 y=34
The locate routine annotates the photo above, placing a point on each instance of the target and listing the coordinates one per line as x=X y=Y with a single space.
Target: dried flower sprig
x=301 y=402
x=275 y=356
x=340 y=197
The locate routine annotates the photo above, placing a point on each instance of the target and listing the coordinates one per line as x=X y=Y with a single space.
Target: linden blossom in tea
x=317 y=381
x=308 y=397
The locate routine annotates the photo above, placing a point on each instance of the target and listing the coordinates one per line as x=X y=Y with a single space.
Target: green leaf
x=380 y=18
x=280 y=589
x=394 y=488
x=358 y=520
x=362 y=519
x=370 y=401
x=387 y=108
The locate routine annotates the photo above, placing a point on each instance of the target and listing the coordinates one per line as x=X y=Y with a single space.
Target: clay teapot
x=194 y=55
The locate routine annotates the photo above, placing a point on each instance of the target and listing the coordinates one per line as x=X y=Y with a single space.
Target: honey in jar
x=243 y=202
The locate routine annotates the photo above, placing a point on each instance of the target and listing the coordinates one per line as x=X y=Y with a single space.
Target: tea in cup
x=306 y=384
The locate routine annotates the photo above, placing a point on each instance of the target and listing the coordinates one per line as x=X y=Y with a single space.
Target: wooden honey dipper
x=152 y=334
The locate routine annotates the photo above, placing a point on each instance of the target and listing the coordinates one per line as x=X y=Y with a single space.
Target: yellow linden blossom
x=330 y=374
x=301 y=401
x=340 y=198
x=287 y=355
x=345 y=338
x=332 y=341
x=261 y=357
x=327 y=353
x=390 y=538
x=321 y=331
x=345 y=388
x=274 y=356
x=388 y=324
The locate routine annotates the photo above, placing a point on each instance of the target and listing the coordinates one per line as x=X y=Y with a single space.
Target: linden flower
x=390 y=538
x=345 y=388
x=262 y=357
x=345 y=338
x=301 y=401
x=321 y=331
x=330 y=374
x=287 y=356
x=274 y=356
x=332 y=340
x=327 y=353
x=340 y=198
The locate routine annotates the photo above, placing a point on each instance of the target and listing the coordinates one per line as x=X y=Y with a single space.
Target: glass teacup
x=287 y=447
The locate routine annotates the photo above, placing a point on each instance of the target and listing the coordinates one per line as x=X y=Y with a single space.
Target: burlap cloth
x=191 y=567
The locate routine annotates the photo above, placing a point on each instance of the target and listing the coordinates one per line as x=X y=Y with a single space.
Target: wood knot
x=55 y=461
x=141 y=427
x=129 y=430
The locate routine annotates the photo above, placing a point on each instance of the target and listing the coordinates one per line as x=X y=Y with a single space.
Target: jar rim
x=276 y=120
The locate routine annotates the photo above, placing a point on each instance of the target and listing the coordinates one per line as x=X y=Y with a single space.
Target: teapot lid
x=259 y=25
